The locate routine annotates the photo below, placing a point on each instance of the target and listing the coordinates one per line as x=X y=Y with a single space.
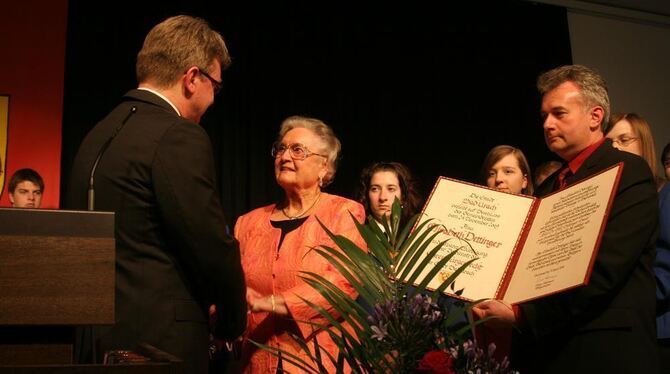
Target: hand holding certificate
x=525 y=247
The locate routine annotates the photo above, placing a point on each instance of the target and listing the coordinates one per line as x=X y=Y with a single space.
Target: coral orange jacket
x=272 y=270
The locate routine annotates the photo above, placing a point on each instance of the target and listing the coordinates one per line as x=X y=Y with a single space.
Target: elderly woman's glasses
x=624 y=140
x=296 y=150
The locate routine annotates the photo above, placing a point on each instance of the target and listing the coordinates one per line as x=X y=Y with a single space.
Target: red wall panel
x=32 y=65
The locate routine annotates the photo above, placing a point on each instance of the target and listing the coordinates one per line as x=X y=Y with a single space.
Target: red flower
x=436 y=362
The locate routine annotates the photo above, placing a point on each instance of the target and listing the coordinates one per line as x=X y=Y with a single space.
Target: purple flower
x=476 y=360
x=379 y=332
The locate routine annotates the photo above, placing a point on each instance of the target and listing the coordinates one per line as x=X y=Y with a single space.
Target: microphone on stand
x=91 y=182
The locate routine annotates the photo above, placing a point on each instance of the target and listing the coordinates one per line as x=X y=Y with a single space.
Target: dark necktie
x=561 y=180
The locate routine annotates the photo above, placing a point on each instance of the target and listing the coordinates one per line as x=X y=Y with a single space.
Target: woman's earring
x=320 y=181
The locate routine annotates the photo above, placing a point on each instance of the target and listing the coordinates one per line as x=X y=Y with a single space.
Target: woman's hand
x=266 y=304
x=252 y=296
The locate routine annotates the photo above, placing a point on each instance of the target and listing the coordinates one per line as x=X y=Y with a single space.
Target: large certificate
x=525 y=247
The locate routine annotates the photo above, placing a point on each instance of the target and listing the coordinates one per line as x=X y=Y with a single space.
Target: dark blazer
x=662 y=266
x=607 y=326
x=173 y=255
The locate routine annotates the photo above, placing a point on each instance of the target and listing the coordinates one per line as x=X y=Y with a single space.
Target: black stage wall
x=434 y=89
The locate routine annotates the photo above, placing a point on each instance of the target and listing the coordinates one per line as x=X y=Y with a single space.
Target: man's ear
x=188 y=80
x=11 y=198
x=597 y=117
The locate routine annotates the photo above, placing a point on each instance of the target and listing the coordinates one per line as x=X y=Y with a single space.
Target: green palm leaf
x=411 y=246
x=389 y=270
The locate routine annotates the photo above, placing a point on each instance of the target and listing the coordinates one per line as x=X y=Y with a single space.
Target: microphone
x=91 y=182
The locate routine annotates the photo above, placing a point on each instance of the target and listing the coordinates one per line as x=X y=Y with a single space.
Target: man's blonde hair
x=175 y=45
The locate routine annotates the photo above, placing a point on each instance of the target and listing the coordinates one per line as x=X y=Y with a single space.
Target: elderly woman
x=276 y=243
x=381 y=183
x=506 y=169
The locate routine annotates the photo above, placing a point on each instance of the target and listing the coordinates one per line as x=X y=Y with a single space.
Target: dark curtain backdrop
x=431 y=87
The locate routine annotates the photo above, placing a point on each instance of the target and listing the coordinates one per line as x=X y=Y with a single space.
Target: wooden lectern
x=56 y=273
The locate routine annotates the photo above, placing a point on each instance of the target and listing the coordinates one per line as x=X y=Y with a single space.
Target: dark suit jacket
x=662 y=267
x=173 y=256
x=608 y=325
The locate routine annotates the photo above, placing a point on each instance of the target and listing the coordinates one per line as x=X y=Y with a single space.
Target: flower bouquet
x=396 y=325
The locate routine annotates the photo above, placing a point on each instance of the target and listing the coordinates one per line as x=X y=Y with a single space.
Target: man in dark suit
x=151 y=163
x=608 y=325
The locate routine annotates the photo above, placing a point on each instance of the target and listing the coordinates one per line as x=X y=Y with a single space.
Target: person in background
x=631 y=133
x=662 y=273
x=151 y=163
x=505 y=168
x=381 y=183
x=25 y=189
x=545 y=169
x=607 y=325
x=277 y=244
x=665 y=159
